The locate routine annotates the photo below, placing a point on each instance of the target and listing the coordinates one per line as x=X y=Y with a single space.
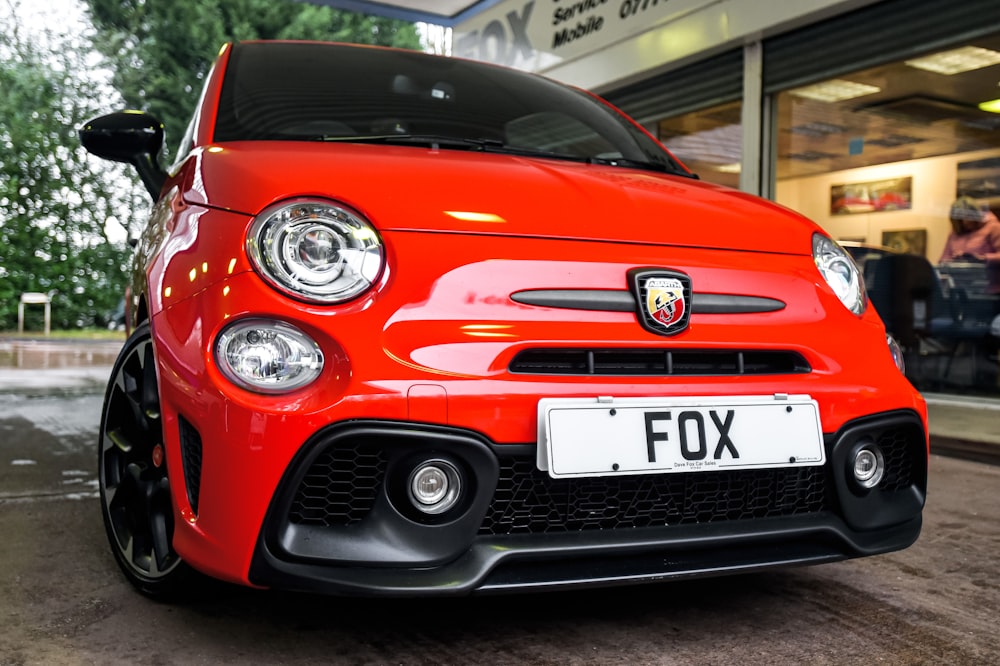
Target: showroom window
x=707 y=141
x=878 y=156
x=695 y=112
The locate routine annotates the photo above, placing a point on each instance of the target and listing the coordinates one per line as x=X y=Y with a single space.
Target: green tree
x=161 y=50
x=54 y=206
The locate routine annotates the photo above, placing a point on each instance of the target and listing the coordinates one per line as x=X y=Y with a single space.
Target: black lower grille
x=191 y=460
x=529 y=501
x=898 y=453
x=340 y=487
x=657 y=362
x=344 y=482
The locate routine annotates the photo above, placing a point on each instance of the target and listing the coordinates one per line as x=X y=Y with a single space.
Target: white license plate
x=611 y=436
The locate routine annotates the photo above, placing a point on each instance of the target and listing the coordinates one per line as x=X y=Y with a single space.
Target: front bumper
x=521 y=530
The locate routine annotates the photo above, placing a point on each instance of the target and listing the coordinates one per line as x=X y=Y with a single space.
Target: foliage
x=54 y=205
x=161 y=50
x=56 y=202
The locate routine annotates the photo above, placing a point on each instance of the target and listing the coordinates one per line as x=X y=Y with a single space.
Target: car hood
x=420 y=189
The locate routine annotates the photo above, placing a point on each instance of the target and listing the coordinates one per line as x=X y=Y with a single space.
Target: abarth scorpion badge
x=663 y=299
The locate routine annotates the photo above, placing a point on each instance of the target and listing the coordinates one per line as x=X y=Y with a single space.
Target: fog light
x=869 y=466
x=435 y=486
x=268 y=356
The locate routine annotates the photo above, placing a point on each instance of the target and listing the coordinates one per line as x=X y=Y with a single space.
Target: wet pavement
x=32 y=354
x=34 y=367
x=66 y=465
x=32 y=373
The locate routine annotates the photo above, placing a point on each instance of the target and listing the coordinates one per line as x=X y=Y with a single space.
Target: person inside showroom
x=975 y=237
x=974 y=244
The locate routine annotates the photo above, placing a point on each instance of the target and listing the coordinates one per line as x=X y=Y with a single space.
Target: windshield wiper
x=432 y=140
x=497 y=146
x=459 y=142
x=639 y=164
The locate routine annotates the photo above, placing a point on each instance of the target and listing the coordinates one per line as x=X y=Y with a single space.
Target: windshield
x=330 y=92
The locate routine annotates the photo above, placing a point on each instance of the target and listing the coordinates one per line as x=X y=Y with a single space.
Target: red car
x=413 y=325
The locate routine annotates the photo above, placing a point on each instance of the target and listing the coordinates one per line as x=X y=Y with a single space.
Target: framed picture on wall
x=872 y=196
x=910 y=241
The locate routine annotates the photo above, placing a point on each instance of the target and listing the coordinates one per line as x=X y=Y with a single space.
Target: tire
x=134 y=485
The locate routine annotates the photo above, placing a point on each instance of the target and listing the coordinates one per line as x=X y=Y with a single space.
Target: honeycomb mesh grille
x=529 y=501
x=191 y=460
x=340 y=487
x=895 y=445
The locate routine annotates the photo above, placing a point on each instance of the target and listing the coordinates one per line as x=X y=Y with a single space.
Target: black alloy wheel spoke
x=161 y=525
x=150 y=394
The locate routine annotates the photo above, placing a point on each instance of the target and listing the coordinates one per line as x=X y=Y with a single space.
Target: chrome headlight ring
x=315 y=250
x=840 y=272
x=267 y=356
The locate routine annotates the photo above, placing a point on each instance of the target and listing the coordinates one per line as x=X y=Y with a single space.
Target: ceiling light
x=817 y=128
x=735 y=167
x=957 y=61
x=835 y=90
x=993 y=106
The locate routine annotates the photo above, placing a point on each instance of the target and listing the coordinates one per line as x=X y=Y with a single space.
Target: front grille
x=657 y=362
x=529 y=501
x=191 y=460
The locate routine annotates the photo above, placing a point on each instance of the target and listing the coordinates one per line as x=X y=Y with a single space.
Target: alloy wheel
x=134 y=484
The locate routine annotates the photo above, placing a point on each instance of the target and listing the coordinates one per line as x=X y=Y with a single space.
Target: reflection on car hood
x=417 y=188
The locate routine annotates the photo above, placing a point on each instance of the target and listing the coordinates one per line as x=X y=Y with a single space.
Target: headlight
x=315 y=251
x=897 y=353
x=841 y=273
x=267 y=356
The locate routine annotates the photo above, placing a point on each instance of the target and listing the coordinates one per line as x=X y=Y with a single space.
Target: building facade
x=870 y=117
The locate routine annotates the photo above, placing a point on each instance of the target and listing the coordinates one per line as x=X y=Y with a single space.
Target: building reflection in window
x=708 y=141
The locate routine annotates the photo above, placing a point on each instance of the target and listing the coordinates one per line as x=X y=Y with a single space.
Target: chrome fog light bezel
x=868 y=466
x=436 y=471
x=291 y=359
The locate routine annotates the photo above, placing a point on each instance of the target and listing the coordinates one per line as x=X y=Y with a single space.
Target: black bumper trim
x=597 y=559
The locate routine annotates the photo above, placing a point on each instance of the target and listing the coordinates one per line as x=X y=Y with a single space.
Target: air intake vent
x=191 y=460
x=657 y=362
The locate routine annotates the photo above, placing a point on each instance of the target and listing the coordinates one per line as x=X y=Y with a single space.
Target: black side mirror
x=132 y=137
